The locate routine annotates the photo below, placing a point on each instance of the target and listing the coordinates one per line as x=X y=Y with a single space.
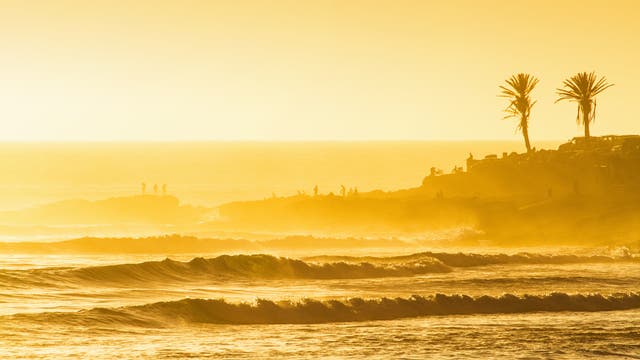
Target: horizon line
x=107 y=141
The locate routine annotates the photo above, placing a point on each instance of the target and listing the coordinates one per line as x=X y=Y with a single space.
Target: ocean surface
x=560 y=304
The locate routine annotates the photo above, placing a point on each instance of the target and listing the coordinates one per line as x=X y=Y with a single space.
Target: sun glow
x=309 y=179
x=312 y=70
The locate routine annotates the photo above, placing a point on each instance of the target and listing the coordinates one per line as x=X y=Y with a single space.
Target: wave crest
x=270 y=267
x=255 y=266
x=310 y=311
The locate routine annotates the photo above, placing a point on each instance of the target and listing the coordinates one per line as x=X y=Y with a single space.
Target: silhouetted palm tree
x=520 y=104
x=583 y=88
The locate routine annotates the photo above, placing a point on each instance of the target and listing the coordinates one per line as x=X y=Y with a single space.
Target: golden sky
x=306 y=70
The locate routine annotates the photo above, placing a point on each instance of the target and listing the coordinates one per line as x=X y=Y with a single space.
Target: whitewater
x=410 y=305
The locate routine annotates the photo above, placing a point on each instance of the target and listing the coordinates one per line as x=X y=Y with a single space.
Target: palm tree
x=520 y=104
x=583 y=88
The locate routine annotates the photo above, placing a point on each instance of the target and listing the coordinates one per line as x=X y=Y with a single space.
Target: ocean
x=552 y=304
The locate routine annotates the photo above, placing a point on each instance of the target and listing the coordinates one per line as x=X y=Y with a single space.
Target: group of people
x=343 y=191
x=143 y=188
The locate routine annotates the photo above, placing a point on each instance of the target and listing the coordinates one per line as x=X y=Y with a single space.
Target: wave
x=322 y=267
x=270 y=267
x=225 y=266
x=309 y=311
x=472 y=259
x=258 y=266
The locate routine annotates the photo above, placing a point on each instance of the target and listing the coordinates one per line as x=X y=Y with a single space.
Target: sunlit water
x=40 y=297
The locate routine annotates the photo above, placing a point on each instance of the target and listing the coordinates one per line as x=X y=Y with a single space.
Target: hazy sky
x=306 y=70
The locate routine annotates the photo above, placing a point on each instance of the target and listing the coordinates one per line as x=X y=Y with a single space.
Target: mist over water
x=211 y=173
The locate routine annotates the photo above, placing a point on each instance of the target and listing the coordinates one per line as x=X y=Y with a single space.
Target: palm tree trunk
x=586 y=120
x=525 y=134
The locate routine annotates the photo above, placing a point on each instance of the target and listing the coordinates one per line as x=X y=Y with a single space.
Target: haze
x=304 y=179
x=305 y=70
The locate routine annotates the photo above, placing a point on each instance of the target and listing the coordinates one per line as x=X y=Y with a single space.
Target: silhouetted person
x=155 y=189
x=143 y=188
x=343 y=190
x=164 y=189
x=315 y=190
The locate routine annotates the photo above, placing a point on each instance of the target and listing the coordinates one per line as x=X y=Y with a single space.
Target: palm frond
x=518 y=89
x=583 y=88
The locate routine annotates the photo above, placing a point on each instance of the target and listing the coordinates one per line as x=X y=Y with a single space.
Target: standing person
x=143 y=188
x=155 y=189
x=164 y=189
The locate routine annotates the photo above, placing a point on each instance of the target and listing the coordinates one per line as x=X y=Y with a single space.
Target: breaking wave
x=225 y=266
x=259 y=266
x=310 y=311
x=271 y=267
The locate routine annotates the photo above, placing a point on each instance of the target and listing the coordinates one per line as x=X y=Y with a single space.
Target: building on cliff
x=596 y=165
